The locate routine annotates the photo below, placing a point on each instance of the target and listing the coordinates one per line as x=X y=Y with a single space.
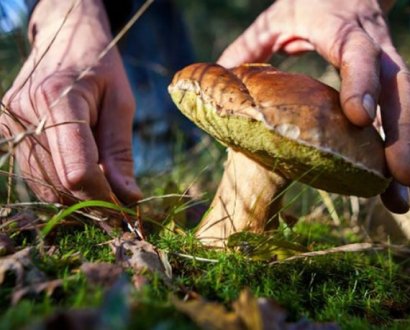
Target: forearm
x=75 y=32
x=52 y=16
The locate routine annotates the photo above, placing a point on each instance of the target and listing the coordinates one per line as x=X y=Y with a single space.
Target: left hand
x=353 y=36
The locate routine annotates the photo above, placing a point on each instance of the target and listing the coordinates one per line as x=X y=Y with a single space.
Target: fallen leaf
x=28 y=279
x=274 y=316
x=5 y=212
x=247 y=308
x=209 y=315
x=267 y=314
x=23 y=220
x=18 y=264
x=113 y=314
x=6 y=245
x=101 y=273
x=141 y=256
x=86 y=319
x=47 y=287
x=249 y=313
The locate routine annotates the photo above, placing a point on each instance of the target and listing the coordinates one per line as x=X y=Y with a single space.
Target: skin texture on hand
x=84 y=152
x=353 y=36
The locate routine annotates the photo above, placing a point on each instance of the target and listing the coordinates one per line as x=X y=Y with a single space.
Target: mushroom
x=278 y=127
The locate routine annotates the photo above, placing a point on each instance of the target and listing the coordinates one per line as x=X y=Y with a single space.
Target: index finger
x=71 y=141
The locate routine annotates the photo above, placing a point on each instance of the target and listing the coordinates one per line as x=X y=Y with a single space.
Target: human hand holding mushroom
x=353 y=36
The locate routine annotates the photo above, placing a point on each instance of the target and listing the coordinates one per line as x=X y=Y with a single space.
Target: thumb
x=114 y=135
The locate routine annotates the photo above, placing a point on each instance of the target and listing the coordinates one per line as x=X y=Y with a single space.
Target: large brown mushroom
x=278 y=127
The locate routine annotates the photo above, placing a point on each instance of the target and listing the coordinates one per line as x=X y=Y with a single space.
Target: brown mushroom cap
x=289 y=123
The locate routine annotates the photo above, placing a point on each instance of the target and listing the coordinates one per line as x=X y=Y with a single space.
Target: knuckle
x=118 y=155
x=5 y=129
x=49 y=89
x=77 y=177
x=127 y=103
x=350 y=41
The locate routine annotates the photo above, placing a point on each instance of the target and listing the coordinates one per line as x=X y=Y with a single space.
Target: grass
x=357 y=290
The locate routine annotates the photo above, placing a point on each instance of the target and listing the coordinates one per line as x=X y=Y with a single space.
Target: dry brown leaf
x=141 y=256
x=29 y=280
x=209 y=315
x=248 y=313
x=274 y=316
x=47 y=287
x=86 y=319
x=6 y=245
x=101 y=273
x=19 y=263
x=22 y=220
x=5 y=212
x=246 y=307
x=114 y=313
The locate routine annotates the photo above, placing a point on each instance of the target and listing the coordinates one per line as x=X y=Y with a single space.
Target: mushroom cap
x=289 y=123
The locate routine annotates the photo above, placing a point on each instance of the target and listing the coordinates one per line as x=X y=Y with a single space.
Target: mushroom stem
x=249 y=197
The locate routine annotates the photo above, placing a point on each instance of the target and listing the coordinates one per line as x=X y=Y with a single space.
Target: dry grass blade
x=192 y=257
x=355 y=247
x=327 y=200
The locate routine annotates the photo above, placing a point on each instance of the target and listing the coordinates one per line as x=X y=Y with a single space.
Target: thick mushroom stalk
x=249 y=197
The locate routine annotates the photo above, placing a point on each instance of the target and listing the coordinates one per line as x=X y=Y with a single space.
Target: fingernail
x=369 y=105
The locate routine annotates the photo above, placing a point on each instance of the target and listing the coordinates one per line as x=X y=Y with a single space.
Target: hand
x=353 y=36
x=84 y=152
